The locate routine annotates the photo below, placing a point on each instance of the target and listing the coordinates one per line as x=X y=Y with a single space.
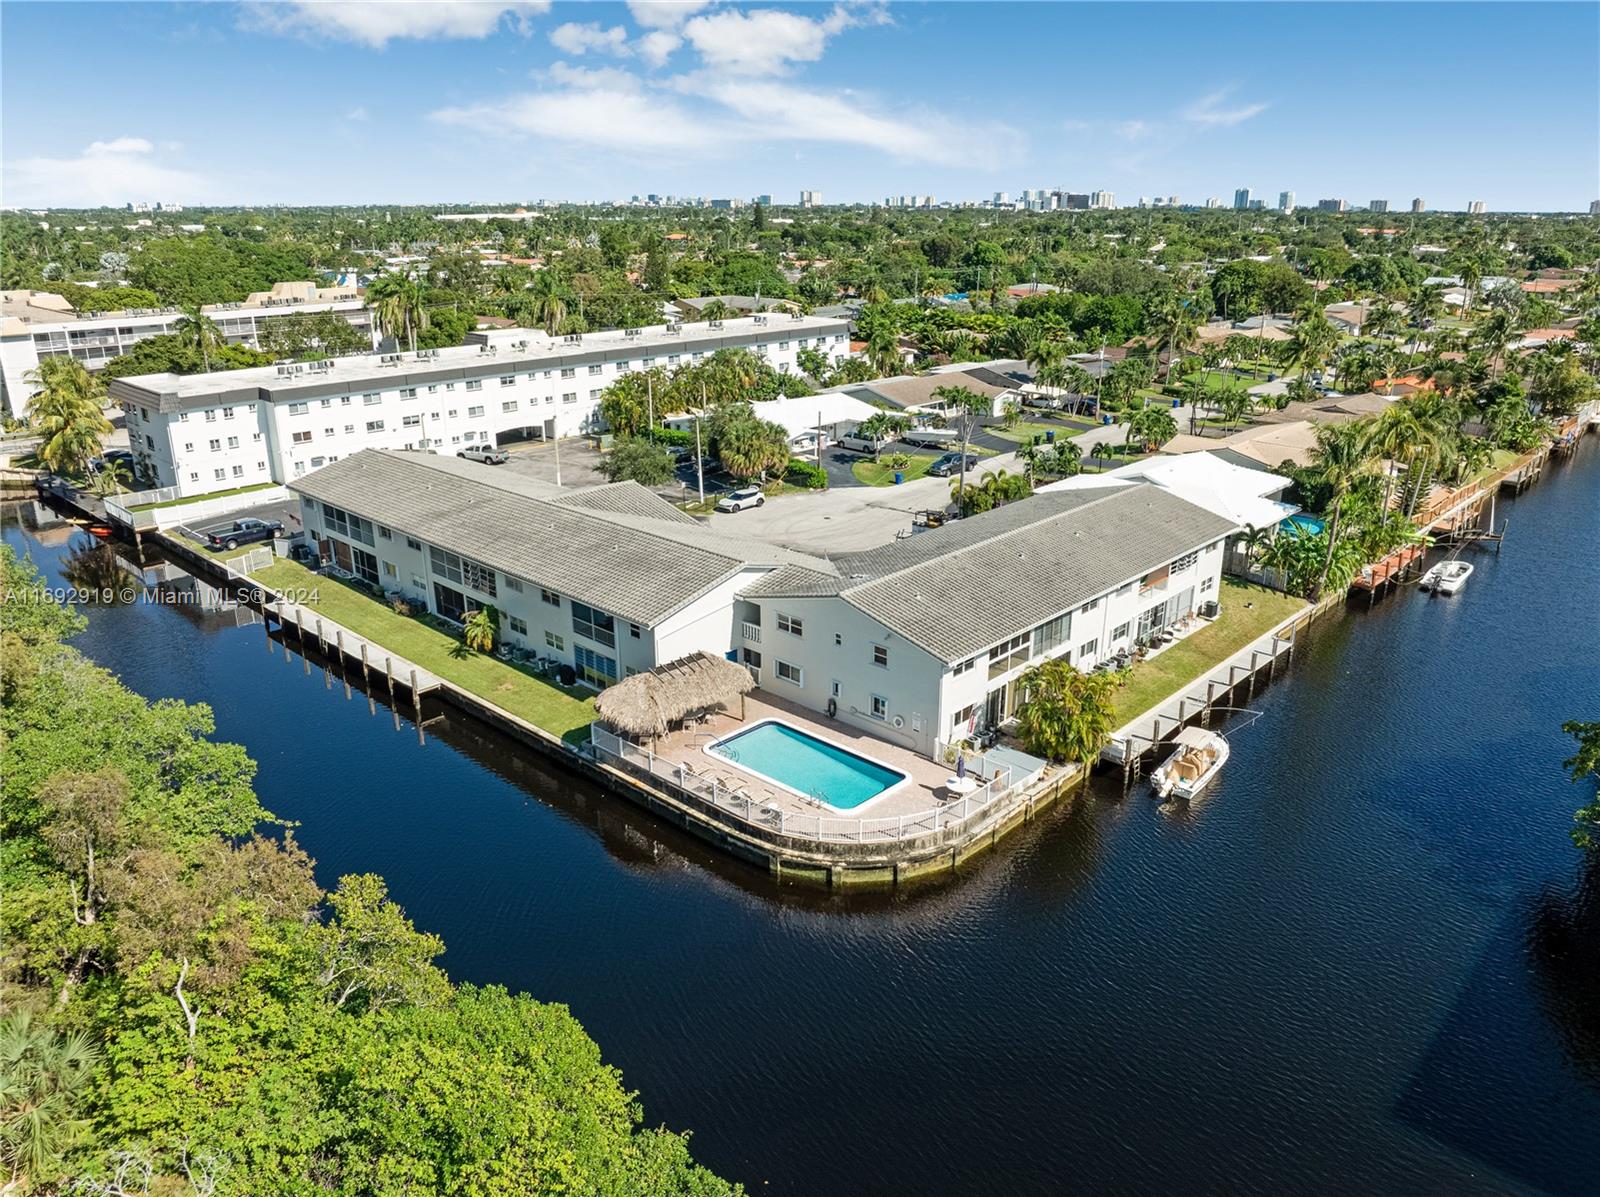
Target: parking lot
x=284 y=511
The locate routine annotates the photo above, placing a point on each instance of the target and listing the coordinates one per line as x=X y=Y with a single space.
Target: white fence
x=193 y=512
x=769 y=821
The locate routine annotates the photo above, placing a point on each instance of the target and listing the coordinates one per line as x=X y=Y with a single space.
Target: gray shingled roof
x=955 y=590
x=639 y=567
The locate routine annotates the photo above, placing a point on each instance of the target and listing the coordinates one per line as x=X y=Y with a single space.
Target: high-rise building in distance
x=1241 y=198
x=1378 y=206
x=810 y=199
x=1002 y=199
x=1102 y=199
x=1417 y=206
x=1286 y=202
x=1475 y=208
x=1594 y=207
x=1332 y=205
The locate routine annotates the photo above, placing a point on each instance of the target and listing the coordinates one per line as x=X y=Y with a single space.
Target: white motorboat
x=1199 y=757
x=1447 y=577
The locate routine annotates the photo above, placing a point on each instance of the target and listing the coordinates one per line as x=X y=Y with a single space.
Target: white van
x=863 y=444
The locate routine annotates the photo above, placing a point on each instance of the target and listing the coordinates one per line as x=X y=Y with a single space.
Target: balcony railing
x=752 y=632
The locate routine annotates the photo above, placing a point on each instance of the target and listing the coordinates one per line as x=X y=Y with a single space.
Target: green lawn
x=1152 y=682
x=216 y=494
x=566 y=713
x=1025 y=432
x=881 y=473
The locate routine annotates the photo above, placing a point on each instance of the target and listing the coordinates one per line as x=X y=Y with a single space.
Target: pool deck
x=688 y=748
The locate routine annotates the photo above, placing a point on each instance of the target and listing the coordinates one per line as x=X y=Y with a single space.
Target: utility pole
x=557 y=437
x=699 y=454
x=650 y=404
x=699 y=461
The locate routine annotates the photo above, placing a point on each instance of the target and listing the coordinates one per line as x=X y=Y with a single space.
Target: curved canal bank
x=1330 y=975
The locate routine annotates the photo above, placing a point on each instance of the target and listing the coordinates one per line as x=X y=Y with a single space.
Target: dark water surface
x=1354 y=967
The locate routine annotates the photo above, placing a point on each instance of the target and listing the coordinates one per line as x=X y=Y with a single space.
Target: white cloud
x=781 y=111
x=604 y=109
x=573 y=38
x=358 y=113
x=106 y=173
x=664 y=14
x=658 y=46
x=713 y=116
x=377 y=22
x=1208 y=110
x=767 y=41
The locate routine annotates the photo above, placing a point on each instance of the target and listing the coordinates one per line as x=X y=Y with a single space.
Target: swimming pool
x=805 y=765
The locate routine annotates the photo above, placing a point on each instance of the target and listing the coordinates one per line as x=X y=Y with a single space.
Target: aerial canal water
x=1366 y=962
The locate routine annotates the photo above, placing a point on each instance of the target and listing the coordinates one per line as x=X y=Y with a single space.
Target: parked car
x=485 y=455
x=244 y=532
x=863 y=444
x=950 y=464
x=738 y=500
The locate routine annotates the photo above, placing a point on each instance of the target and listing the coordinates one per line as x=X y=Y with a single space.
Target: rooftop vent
x=630 y=332
x=761 y=319
x=674 y=328
x=573 y=339
x=713 y=324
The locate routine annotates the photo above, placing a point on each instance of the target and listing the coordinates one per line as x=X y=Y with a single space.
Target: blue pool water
x=1308 y=524
x=801 y=762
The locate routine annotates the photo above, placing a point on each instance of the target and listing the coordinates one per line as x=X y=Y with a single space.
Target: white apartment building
x=205 y=432
x=918 y=641
x=40 y=324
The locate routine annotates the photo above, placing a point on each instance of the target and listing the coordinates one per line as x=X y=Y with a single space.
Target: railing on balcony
x=752 y=632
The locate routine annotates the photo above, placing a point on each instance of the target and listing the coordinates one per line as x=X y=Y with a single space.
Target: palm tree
x=1471 y=276
x=198 y=331
x=1341 y=459
x=1176 y=321
x=397 y=302
x=1494 y=334
x=1311 y=339
x=44 y=1082
x=716 y=310
x=883 y=349
x=112 y=479
x=546 y=302
x=1152 y=427
x=967 y=407
x=67 y=413
x=481 y=628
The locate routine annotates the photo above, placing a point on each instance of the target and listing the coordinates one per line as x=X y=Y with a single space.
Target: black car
x=244 y=532
x=950 y=464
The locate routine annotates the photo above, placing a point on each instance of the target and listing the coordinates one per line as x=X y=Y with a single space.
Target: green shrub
x=807 y=474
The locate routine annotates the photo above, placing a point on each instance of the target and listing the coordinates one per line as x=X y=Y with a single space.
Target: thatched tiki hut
x=651 y=704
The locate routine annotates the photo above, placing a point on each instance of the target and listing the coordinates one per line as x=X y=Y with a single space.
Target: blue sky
x=501 y=102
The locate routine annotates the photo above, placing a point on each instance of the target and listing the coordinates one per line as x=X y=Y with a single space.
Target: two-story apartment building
x=923 y=640
x=35 y=325
x=289 y=420
x=918 y=641
x=610 y=579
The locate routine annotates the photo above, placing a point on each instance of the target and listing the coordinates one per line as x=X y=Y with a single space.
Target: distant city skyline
x=490 y=102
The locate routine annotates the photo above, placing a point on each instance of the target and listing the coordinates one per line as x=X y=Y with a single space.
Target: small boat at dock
x=1447 y=577
x=1197 y=759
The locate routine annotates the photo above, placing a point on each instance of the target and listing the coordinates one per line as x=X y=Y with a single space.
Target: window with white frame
x=1184 y=562
x=1206 y=584
x=509 y=405
x=880 y=707
x=880 y=656
x=1008 y=656
x=374 y=425
x=789 y=672
x=518 y=626
x=511 y=583
x=792 y=624
x=1121 y=631
x=551 y=640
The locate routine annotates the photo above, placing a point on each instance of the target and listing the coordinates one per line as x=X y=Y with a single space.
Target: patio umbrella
x=961 y=766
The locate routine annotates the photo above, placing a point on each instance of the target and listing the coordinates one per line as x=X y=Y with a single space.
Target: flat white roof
x=1235 y=493
x=497 y=351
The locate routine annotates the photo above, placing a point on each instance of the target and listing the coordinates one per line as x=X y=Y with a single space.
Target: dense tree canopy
x=182 y=997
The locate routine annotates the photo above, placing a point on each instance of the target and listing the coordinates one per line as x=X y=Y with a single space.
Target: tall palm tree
x=546 y=301
x=398 y=303
x=966 y=407
x=44 y=1083
x=1341 y=459
x=1311 y=339
x=1176 y=321
x=67 y=413
x=716 y=310
x=199 y=331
